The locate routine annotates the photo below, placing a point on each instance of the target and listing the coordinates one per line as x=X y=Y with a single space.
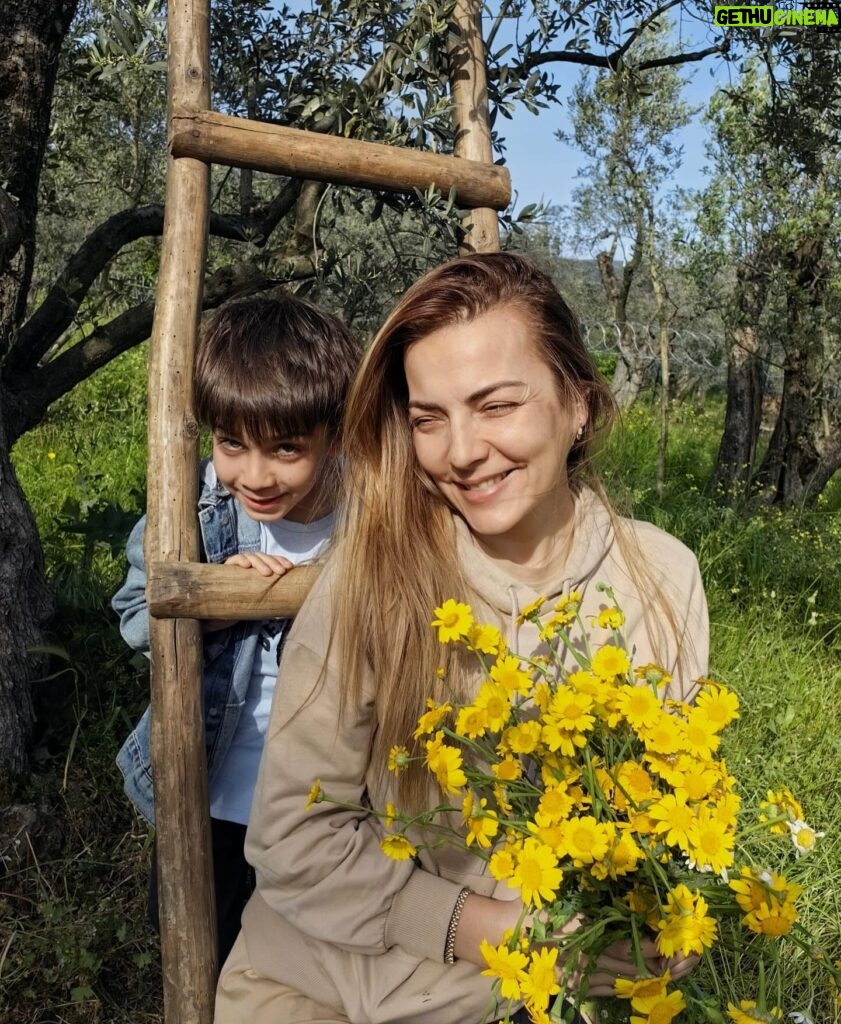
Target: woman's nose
x=467 y=446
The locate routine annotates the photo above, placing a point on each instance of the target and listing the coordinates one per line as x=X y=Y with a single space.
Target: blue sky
x=543 y=167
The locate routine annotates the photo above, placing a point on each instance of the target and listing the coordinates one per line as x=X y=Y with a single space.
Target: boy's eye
x=229 y=444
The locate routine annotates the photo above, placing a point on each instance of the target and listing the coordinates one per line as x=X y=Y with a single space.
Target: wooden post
x=185 y=890
x=469 y=81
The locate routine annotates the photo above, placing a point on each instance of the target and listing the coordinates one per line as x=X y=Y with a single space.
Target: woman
x=467 y=433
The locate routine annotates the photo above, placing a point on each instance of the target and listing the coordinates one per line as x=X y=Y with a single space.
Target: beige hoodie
x=332 y=916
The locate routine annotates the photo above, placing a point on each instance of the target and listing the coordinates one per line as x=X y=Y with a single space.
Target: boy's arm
x=130 y=600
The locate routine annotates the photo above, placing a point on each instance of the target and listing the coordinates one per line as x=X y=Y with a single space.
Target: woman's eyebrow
x=477 y=396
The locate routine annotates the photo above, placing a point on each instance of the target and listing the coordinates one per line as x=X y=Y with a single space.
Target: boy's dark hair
x=272 y=368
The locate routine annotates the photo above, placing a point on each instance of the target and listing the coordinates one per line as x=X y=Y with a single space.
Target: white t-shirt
x=232 y=786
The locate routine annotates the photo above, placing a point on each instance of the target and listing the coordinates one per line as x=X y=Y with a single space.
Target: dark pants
x=233 y=882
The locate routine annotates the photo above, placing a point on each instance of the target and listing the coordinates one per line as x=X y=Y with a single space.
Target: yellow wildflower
x=641 y=988
x=557 y=803
x=390 y=815
x=445 y=764
x=398 y=759
x=537 y=874
x=610 y=618
x=315 y=795
x=398 y=848
x=685 y=927
x=609 y=662
x=471 y=721
x=486 y=638
x=482 y=827
x=530 y=610
x=653 y=675
x=586 y=840
x=507 y=770
x=431 y=718
x=710 y=843
x=503 y=863
x=747 y=1012
x=674 y=820
x=523 y=738
x=453 y=620
x=568 y=607
x=772 y=919
x=569 y=709
x=781 y=803
x=493 y=699
x=506 y=965
x=51 y=456
x=719 y=705
x=541 y=982
x=699 y=736
x=507 y=673
x=658 y=1009
x=640 y=707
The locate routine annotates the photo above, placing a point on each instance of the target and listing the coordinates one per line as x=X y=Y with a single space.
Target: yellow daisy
x=486 y=638
x=398 y=848
x=586 y=840
x=506 y=966
x=507 y=672
x=494 y=700
x=719 y=705
x=471 y=721
x=432 y=717
x=640 y=706
x=609 y=662
x=315 y=795
x=658 y=1009
x=537 y=874
x=641 y=988
x=453 y=620
x=541 y=982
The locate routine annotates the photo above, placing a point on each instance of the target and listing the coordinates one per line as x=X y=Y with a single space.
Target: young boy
x=270 y=382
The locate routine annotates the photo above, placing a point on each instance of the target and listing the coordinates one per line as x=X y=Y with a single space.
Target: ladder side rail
x=469 y=84
x=185 y=871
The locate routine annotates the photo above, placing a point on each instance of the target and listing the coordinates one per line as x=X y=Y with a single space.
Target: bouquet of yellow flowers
x=598 y=799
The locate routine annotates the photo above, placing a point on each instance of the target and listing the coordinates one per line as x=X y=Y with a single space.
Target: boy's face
x=276 y=480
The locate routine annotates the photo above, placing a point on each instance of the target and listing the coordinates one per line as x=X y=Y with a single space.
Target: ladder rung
x=193 y=590
x=237 y=142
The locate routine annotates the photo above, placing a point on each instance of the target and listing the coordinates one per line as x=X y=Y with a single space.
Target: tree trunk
x=25 y=609
x=802 y=455
x=743 y=414
x=33 y=32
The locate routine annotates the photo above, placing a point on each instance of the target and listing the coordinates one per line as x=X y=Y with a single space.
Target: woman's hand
x=617 y=961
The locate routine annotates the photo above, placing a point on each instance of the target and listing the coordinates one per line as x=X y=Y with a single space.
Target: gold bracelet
x=450 y=944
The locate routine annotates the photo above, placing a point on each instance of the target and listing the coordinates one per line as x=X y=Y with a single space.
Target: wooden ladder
x=180 y=590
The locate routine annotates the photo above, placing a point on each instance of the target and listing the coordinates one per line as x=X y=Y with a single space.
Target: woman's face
x=490 y=429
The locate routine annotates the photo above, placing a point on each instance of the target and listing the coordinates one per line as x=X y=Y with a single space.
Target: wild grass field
x=74 y=946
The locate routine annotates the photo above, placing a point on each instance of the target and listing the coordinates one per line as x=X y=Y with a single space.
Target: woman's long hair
x=398 y=541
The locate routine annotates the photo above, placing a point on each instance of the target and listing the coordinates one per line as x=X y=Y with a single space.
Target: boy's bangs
x=266 y=413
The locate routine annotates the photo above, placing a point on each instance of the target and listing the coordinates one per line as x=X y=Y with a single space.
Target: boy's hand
x=266 y=565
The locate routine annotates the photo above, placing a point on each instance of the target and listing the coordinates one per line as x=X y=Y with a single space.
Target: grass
x=74 y=946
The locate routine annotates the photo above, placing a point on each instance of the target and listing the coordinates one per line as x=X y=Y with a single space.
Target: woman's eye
x=229 y=444
x=288 y=451
x=421 y=423
x=498 y=408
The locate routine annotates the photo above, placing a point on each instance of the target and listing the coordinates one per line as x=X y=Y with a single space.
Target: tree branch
x=25 y=408
x=610 y=61
x=56 y=312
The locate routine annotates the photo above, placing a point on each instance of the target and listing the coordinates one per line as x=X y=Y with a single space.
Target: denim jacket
x=229 y=654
